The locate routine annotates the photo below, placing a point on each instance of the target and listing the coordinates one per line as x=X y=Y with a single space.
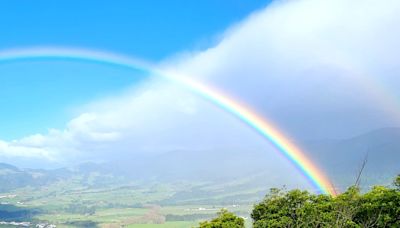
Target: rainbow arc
x=259 y=123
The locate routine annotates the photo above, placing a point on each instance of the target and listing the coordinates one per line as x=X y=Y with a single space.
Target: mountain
x=12 y=177
x=342 y=159
x=5 y=167
x=208 y=165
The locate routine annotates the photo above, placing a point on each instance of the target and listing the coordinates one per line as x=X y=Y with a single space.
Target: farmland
x=74 y=203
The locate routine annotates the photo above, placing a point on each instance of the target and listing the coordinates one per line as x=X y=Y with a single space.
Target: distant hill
x=12 y=177
x=343 y=158
x=205 y=165
x=88 y=174
x=340 y=158
x=5 y=167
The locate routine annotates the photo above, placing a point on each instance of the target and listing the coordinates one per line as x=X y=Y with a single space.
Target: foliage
x=379 y=207
x=187 y=217
x=397 y=182
x=83 y=223
x=81 y=209
x=225 y=219
x=12 y=213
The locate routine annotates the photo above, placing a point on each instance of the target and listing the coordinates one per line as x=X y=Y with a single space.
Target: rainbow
x=266 y=128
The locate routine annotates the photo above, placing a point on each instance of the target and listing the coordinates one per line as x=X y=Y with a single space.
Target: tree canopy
x=379 y=207
x=225 y=219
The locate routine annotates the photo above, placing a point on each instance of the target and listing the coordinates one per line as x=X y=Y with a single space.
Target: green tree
x=345 y=208
x=397 y=182
x=293 y=209
x=380 y=207
x=225 y=219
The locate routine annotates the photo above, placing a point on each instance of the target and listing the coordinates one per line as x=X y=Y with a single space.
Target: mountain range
x=342 y=160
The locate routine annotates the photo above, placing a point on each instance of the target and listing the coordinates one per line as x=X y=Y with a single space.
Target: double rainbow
x=263 y=126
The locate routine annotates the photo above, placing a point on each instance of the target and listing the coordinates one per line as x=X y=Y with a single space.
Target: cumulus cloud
x=306 y=65
x=318 y=68
x=160 y=117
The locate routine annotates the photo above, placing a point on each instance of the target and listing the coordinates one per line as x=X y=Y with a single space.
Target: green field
x=69 y=203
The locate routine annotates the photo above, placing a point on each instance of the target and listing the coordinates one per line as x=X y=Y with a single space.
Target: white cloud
x=159 y=117
x=312 y=63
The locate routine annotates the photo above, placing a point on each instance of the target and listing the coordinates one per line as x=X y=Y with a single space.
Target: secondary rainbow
x=266 y=128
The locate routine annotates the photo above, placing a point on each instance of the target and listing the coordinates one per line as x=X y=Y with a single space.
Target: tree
x=397 y=182
x=380 y=207
x=293 y=209
x=225 y=219
x=345 y=208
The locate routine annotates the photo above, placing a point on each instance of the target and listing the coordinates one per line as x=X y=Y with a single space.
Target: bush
x=225 y=219
x=379 y=207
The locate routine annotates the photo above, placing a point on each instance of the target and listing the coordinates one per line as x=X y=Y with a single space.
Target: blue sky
x=37 y=95
x=151 y=29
